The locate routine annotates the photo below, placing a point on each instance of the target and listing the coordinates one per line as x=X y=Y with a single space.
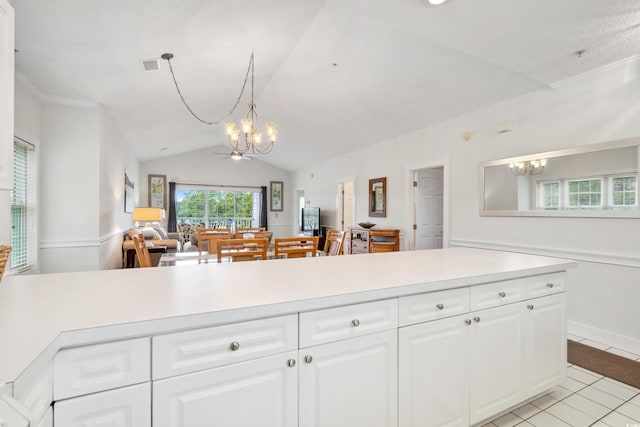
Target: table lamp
x=148 y=216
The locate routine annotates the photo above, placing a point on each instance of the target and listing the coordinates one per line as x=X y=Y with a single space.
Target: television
x=311 y=221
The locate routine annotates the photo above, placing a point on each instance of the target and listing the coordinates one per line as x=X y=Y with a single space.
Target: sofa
x=173 y=242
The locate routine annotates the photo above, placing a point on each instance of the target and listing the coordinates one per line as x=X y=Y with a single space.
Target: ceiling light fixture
x=252 y=141
x=533 y=167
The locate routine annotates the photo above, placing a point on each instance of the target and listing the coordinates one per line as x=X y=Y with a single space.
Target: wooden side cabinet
x=363 y=240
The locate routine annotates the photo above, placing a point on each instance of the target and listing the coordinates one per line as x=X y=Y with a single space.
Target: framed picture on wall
x=129 y=194
x=276 y=196
x=158 y=191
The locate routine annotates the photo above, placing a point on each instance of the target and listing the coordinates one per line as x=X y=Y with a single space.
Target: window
x=584 y=194
x=550 y=195
x=624 y=192
x=218 y=208
x=603 y=192
x=23 y=213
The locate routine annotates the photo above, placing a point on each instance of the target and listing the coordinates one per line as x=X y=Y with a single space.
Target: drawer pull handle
x=530 y=306
x=308 y=358
x=291 y=363
x=549 y=285
x=476 y=319
x=502 y=294
x=467 y=321
x=355 y=323
x=234 y=346
x=440 y=306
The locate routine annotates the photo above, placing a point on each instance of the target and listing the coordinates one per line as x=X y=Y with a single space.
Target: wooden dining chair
x=334 y=242
x=235 y=250
x=142 y=252
x=4 y=257
x=211 y=236
x=296 y=247
x=384 y=241
x=258 y=232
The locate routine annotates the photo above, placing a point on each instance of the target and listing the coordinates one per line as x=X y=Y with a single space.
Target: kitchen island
x=403 y=338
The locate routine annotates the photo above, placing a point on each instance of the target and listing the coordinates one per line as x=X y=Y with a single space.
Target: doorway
x=346 y=205
x=429 y=208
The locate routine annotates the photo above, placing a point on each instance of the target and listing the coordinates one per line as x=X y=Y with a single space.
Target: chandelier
x=533 y=167
x=252 y=141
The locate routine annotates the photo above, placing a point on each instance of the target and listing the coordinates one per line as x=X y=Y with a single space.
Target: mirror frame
x=601 y=213
x=373 y=212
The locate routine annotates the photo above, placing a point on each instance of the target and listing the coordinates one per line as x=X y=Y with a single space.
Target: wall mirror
x=378 y=197
x=598 y=180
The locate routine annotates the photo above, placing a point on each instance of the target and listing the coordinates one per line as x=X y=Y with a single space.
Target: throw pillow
x=156 y=235
x=163 y=234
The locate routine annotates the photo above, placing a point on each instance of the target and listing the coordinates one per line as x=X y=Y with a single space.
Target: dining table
x=204 y=257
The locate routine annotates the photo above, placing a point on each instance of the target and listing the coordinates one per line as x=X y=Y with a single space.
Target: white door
x=429 y=208
x=546 y=353
x=261 y=392
x=6 y=94
x=497 y=351
x=350 y=383
x=433 y=378
x=346 y=205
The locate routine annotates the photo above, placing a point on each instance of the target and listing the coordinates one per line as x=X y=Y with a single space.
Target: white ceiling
x=400 y=65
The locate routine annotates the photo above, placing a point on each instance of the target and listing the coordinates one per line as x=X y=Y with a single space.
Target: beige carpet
x=607 y=364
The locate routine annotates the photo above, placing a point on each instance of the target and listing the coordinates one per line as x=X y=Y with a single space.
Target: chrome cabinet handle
x=234 y=346
x=467 y=321
x=476 y=319
x=440 y=306
x=549 y=285
x=308 y=358
x=502 y=294
x=291 y=363
x=530 y=306
x=355 y=323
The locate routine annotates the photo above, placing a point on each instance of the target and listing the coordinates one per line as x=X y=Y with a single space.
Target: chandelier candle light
x=533 y=167
x=252 y=141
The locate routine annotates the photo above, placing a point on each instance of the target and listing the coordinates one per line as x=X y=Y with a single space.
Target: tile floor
x=583 y=399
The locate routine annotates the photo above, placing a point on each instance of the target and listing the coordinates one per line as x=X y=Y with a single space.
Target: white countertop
x=39 y=312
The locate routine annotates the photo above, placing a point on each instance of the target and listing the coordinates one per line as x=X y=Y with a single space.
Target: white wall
x=116 y=157
x=202 y=167
x=600 y=107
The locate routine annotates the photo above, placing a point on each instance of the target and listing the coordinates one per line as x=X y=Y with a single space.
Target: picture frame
x=129 y=194
x=378 y=197
x=276 y=197
x=158 y=191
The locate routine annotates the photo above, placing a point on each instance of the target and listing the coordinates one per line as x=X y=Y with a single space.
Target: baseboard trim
x=595 y=257
x=603 y=336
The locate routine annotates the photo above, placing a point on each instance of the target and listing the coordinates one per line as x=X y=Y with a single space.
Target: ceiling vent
x=151 y=64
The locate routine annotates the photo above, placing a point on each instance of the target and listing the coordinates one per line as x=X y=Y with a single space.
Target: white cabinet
x=497 y=357
x=350 y=383
x=261 y=392
x=463 y=370
x=434 y=374
x=123 y=407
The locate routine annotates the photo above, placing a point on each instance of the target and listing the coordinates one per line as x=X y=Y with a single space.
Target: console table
x=360 y=239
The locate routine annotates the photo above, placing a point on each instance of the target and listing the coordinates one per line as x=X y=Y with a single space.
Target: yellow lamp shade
x=147 y=214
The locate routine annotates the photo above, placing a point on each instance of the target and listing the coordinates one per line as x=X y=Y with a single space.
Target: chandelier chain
x=217 y=122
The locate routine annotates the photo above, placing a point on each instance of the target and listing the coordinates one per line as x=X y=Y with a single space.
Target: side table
x=131 y=254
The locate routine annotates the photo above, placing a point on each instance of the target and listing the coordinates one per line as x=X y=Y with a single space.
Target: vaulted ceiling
x=335 y=75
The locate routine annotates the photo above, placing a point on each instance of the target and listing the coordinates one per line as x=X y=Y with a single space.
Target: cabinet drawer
x=497 y=293
x=333 y=324
x=548 y=284
x=434 y=305
x=360 y=246
x=84 y=370
x=190 y=351
x=124 y=407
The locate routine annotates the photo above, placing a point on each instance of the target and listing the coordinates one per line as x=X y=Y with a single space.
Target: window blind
x=23 y=208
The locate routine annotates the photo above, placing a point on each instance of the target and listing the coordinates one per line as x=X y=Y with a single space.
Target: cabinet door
x=546 y=356
x=497 y=349
x=350 y=383
x=123 y=407
x=434 y=374
x=261 y=392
